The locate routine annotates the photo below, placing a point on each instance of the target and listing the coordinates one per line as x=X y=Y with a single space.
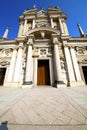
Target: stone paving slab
x=44 y=108
x=51 y=127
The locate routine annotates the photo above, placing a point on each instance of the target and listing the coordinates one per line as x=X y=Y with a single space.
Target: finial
x=6 y=33
x=34 y=7
x=42 y=8
x=56 y=7
x=82 y=34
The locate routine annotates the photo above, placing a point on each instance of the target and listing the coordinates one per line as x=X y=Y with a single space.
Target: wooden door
x=43 y=72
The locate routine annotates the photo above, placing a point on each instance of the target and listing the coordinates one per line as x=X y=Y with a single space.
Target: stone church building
x=43 y=53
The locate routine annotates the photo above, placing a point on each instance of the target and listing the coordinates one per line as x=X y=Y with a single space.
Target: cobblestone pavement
x=44 y=108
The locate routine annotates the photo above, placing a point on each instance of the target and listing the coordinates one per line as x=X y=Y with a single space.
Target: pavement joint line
x=70 y=100
x=49 y=124
x=11 y=103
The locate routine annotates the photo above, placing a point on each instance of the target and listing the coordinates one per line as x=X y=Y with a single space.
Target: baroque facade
x=43 y=53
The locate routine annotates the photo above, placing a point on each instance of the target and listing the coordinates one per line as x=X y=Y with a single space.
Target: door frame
x=46 y=71
x=51 y=71
x=81 y=71
x=4 y=75
x=83 y=74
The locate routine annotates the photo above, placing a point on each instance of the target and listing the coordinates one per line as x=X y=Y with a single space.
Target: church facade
x=43 y=53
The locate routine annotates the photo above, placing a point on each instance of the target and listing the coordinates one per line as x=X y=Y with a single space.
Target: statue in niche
x=62 y=64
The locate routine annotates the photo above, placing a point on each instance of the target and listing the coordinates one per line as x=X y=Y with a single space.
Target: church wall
x=43 y=35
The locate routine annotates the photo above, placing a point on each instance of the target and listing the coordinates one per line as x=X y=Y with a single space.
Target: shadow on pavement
x=3 y=126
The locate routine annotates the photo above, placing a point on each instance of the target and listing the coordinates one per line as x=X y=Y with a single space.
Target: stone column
x=28 y=74
x=51 y=20
x=12 y=66
x=75 y=64
x=61 y=26
x=57 y=66
x=33 y=24
x=69 y=66
x=25 y=25
x=18 y=63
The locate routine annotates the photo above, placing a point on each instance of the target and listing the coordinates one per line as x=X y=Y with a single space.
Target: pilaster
x=51 y=20
x=25 y=25
x=65 y=28
x=20 y=32
x=28 y=74
x=70 y=68
x=12 y=65
x=76 y=67
x=61 y=26
x=33 y=24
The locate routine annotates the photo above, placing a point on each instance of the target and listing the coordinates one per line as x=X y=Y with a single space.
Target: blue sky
x=10 y=10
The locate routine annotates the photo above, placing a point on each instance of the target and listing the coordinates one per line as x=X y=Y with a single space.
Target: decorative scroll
x=6 y=52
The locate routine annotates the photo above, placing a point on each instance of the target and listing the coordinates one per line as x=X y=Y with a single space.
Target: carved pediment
x=81 y=50
x=41 y=13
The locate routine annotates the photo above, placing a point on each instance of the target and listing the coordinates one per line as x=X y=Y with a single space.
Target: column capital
x=65 y=45
x=15 y=48
x=30 y=42
x=20 y=45
x=70 y=46
x=55 y=40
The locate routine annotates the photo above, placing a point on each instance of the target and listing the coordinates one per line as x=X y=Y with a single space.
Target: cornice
x=7 y=41
x=20 y=39
x=78 y=39
x=32 y=11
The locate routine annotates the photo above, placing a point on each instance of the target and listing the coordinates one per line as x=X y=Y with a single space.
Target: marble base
x=59 y=84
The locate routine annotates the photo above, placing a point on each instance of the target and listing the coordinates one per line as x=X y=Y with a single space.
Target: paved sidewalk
x=44 y=108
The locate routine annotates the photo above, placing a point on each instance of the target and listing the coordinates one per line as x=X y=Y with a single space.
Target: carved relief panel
x=81 y=50
x=42 y=52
